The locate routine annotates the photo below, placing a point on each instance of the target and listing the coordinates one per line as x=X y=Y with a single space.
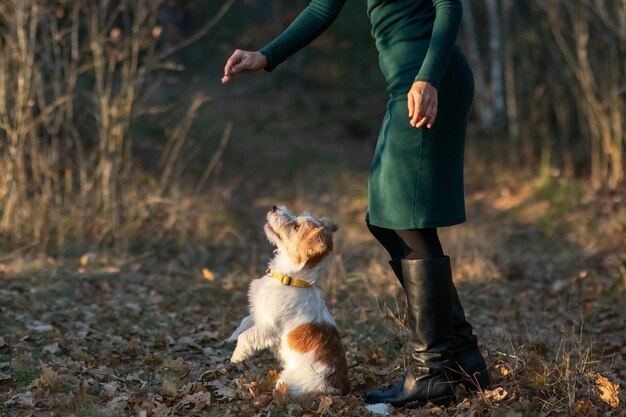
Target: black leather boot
x=469 y=363
x=428 y=287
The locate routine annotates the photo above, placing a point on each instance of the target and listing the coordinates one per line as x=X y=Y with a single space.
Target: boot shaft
x=463 y=334
x=428 y=288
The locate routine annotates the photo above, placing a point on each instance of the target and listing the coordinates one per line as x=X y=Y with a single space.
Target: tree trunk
x=495 y=64
x=483 y=105
x=512 y=116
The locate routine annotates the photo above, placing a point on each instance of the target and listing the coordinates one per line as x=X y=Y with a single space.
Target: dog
x=287 y=310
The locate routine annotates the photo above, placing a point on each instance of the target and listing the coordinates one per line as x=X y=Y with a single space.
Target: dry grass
x=111 y=336
x=81 y=96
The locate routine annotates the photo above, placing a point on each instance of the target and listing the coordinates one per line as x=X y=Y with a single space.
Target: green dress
x=416 y=176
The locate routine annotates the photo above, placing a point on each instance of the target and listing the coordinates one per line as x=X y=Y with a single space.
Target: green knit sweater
x=414 y=38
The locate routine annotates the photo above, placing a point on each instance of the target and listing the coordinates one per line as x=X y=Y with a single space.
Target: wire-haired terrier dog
x=287 y=310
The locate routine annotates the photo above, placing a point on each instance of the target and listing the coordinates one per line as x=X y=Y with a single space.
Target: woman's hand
x=422 y=101
x=243 y=62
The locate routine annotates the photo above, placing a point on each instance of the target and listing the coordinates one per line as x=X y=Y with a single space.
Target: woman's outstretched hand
x=243 y=62
x=422 y=101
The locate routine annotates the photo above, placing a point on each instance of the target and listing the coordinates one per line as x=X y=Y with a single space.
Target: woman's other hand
x=243 y=62
x=422 y=101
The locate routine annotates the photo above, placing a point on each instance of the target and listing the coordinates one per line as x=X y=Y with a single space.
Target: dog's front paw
x=237 y=356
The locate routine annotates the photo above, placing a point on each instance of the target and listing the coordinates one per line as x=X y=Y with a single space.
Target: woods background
x=134 y=187
x=87 y=86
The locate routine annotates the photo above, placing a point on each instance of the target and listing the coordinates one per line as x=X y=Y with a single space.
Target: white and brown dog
x=287 y=310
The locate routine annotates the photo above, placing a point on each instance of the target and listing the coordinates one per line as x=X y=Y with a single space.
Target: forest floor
x=540 y=267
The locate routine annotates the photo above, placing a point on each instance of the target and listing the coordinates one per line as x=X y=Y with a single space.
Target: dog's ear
x=329 y=225
x=319 y=242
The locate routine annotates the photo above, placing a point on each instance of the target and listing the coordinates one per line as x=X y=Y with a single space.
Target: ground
x=539 y=266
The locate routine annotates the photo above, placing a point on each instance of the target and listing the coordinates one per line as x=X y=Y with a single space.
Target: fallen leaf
x=272 y=376
x=174 y=364
x=226 y=393
x=161 y=410
x=51 y=348
x=184 y=341
x=4 y=347
x=502 y=369
x=194 y=387
x=87 y=258
x=200 y=400
x=380 y=409
x=583 y=406
x=110 y=388
x=6 y=380
x=39 y=327
x=609 y=392
x=560 y=285
x=170 y=388
x=325 y=403
x=135 y=307
x=223 y=391
x=208 y=275
x=25 y=399
x=496 y=394
x=118 y=403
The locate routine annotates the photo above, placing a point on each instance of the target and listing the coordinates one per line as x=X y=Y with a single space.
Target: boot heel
x=444 y=401
x=478 y=381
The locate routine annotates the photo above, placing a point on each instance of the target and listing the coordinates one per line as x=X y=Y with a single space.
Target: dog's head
x=304 y=238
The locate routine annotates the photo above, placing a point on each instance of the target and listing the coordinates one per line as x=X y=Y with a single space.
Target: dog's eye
x=296 y=226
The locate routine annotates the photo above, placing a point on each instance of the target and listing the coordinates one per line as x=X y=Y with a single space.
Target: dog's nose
x=274 y=208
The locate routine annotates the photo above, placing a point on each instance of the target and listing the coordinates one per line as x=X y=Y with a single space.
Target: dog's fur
x=295 y=322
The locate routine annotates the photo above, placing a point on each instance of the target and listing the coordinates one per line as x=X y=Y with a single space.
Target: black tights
x=409 y=244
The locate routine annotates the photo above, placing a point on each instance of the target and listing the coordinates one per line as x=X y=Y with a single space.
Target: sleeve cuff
x=270 y=61
x=429 y=79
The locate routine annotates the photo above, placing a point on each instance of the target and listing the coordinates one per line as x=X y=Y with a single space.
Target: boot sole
x=441 y=401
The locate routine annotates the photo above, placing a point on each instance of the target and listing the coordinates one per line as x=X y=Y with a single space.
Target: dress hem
x=418 y=225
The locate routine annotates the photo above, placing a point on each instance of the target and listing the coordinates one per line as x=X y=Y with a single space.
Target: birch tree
x=595 y=54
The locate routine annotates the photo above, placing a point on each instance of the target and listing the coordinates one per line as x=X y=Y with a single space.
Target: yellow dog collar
x=287 y=280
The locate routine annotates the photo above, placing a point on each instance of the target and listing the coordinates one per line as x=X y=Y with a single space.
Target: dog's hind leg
x=302 y=383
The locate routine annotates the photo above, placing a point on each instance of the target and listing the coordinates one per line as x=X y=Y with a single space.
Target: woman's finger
x=418 y=112
x=415 y=105
x=421 y=122
x=425 y=115
x=416 y=116
x=428 y=114
x=243 y=64
x=229 y=65
x=411 y=104
x=432 y=110
x=232 y=61
x=433 y=115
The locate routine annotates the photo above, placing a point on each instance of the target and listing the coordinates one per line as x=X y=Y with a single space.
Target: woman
x=416 y=177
